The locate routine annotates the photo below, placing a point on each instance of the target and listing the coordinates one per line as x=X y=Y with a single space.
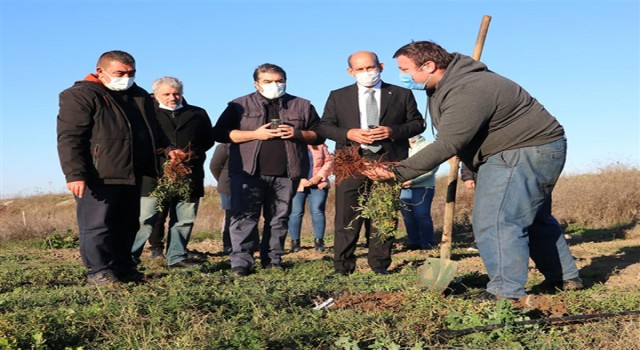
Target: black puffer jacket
x=95 y=138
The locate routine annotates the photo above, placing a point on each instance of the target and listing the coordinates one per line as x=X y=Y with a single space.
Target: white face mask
x=273 y=90
x=119 y=84
x=368 y=79
x=174 y=108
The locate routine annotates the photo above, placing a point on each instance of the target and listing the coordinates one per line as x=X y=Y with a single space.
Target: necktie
x=373 y=116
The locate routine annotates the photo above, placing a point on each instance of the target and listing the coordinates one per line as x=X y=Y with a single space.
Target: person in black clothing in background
x=219 y=167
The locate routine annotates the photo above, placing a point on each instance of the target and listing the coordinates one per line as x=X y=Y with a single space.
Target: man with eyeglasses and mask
x=107 y=141
x=379 y=118
x=518 y=150
x=268 y=130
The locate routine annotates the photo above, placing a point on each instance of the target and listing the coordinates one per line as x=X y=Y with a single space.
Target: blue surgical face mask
x=407 y=81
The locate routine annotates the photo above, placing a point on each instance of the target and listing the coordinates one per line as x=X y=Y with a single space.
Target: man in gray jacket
x=518 y=150
x=269 y=131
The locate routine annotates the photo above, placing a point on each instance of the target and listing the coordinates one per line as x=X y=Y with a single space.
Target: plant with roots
x=175 y=182
x=381 y=202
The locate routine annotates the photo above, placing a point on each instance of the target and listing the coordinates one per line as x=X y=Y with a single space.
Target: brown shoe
x=572 y=284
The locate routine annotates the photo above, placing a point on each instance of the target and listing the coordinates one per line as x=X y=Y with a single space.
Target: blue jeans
x=181 y=217
x=317 y=201
x=512 y=216
x=417 y=215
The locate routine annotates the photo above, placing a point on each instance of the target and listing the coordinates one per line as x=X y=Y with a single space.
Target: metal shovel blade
x=436 y=273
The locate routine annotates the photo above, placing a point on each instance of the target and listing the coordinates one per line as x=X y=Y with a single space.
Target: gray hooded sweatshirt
x=478 y=113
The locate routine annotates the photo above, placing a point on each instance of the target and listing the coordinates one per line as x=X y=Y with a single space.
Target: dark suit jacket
x=398 y=110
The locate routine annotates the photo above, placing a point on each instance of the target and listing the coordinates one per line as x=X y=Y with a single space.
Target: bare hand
x=176 y=154
x=380 y=133
x=369 y=136
x=360 y=136
x=470 y=184
x=286 y=131
x=305 y=183
x=77 y=187
x=379 y=173
x=266 y=133
x=407 y=184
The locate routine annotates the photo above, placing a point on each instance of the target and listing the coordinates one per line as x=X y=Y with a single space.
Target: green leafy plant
x=56 y=240
x=175 y=182
x=381 y=204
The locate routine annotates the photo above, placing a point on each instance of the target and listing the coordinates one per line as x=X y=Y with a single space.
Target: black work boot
x=318 y=245
x=295 y=245
x=157 y=253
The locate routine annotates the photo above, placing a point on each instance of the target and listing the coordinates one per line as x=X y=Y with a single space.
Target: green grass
x=44 y=304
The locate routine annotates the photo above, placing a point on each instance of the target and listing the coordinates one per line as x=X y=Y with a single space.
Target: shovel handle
x=454 y=162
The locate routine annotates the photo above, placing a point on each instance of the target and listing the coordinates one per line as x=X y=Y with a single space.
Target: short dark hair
x=269 y=68
x=116 y=55
x=422 y=51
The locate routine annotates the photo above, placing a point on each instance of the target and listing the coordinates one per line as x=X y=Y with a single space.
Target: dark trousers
x=108 y=222
x=249 y=196
x=348 y=226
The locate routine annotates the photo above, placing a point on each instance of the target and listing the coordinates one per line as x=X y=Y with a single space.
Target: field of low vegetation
x=45 y=303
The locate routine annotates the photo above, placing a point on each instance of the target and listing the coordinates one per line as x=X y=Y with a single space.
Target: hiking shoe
x=276 y=267
x=381 y=271
x=552 y=287
x=485 y=296
x=102 y=278
x=239 y=271
x=318 y=245
x=156 y=253
x=183 y=264
x=295 y=245
x=572 y=284
x=130 y=275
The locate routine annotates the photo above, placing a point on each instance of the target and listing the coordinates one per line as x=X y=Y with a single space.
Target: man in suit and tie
x=380 y=118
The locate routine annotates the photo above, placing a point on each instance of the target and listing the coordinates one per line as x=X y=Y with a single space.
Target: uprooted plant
x=175 y=182
x=379 y=203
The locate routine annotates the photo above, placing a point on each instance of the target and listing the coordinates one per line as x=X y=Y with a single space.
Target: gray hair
x=169 y=81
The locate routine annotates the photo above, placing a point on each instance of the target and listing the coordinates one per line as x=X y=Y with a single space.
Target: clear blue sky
x=579 y=58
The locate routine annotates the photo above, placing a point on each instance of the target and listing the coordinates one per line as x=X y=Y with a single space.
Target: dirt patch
x=65 y=254
x=626 y=278
x=546 y=306
x=370 y=302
